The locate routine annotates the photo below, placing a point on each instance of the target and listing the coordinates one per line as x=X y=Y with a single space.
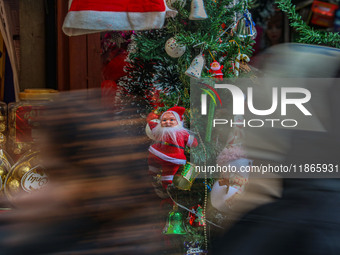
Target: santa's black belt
x=173 y=145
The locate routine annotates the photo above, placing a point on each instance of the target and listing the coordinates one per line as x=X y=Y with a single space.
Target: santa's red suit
x=216 y=70
x=168 y=155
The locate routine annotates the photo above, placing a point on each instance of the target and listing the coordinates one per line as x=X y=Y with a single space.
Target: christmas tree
x=208 y=40
x=307 y=34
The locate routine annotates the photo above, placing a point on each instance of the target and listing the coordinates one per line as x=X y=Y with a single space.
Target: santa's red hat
x=215 y=68
x=214 y=62
x=177 y=111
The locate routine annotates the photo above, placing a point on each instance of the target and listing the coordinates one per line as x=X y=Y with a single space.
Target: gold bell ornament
x=245 y=27
x=185 y=176
x=173 y=49
x=196 y=67
x=175 y=225
x=197 y=10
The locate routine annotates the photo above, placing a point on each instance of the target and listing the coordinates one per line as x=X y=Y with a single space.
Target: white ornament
x=173 y=49
x=196 y=67
x=197 y=10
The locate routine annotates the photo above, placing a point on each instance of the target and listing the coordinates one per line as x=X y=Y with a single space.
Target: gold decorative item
x=27 y=175
x=23 y=170
x=23 y=120
x=3 y=125
x=14 y=185
x=185 y=176
x=5 y=167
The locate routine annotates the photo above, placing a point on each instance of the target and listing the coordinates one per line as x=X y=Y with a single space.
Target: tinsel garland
x=308 y=34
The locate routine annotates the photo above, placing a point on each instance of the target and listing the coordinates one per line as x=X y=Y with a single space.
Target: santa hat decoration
x=92 y=16
x=178 y=112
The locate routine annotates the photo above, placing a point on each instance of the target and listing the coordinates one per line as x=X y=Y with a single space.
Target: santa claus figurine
x=216 y=70
x=171 y=138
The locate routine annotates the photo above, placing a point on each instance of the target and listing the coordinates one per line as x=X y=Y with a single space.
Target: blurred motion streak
x=305 y=220
x=99 y=200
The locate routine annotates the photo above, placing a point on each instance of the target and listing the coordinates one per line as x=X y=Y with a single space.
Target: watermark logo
x=280 y=98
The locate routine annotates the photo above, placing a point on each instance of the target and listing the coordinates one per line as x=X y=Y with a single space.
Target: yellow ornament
x=22 y=170
x=14 y=185
x=2 y=171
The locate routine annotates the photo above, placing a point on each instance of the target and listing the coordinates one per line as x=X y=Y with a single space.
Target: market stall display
x=22 y=121
x=27 y=175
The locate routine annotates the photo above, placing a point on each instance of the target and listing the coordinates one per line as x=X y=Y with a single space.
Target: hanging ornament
x=194 y=248
x=196 y=67
x=245 y=27
x=216 y=70
x=173 y=49
x=197 y=10
x=240 y=57
x=175 y=225
x=196 y=217
x=170 y=3
x=185 y=176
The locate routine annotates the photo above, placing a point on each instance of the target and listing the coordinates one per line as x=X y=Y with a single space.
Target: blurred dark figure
x=99 y=200
x=274 y=28
x=305 y=221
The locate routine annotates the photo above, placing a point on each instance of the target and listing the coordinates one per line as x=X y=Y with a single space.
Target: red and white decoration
x=216 y=70
x=166 y=155
x=92 y=16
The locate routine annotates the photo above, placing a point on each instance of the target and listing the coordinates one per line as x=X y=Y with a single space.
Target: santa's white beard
x=165 y=133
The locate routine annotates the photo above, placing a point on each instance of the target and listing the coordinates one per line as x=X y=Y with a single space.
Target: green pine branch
x=308 y=34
